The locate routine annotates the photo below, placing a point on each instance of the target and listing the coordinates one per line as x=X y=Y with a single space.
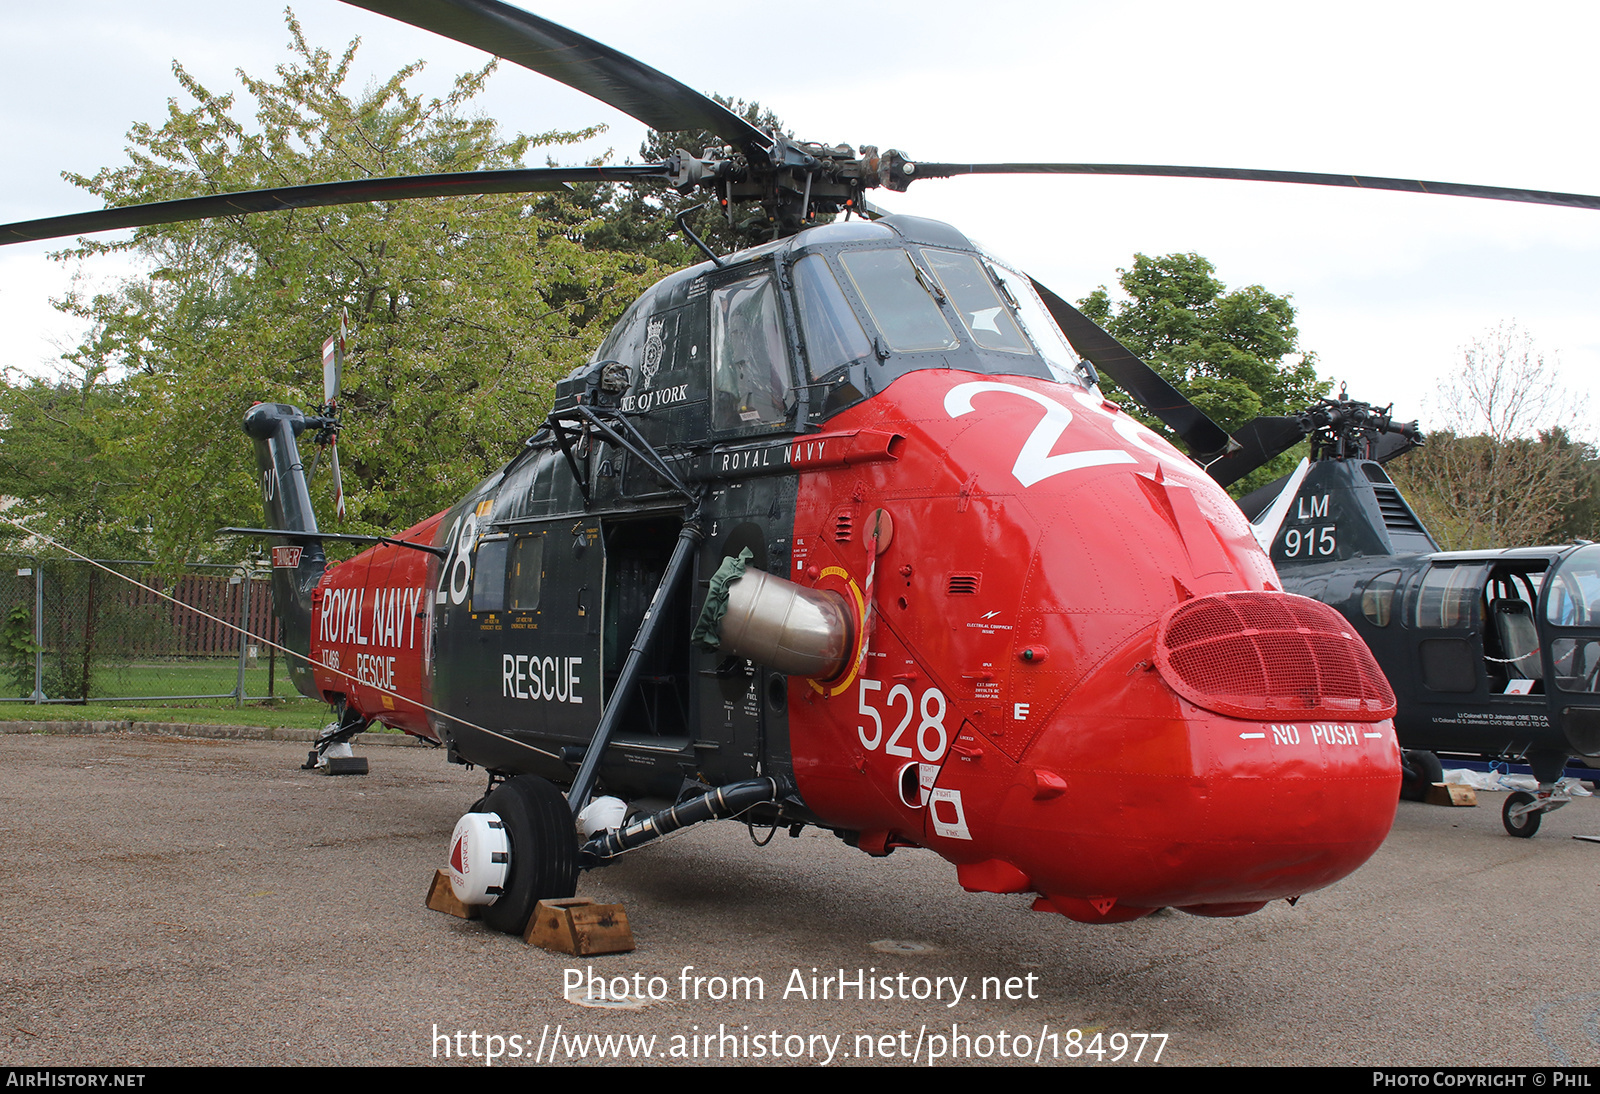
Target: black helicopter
x=1493 y=655
x=945 y=593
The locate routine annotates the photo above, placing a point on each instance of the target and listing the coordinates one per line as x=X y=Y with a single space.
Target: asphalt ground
x=179 y=901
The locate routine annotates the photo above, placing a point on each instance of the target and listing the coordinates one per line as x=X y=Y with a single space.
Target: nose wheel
x=1523 y=811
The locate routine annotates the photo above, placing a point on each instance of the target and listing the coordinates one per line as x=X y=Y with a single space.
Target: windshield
x=972 y=293
x=901 y=301
x=1574 y=599
x=1042 y=330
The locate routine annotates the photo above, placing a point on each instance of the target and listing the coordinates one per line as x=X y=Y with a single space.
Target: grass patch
x=297 y=713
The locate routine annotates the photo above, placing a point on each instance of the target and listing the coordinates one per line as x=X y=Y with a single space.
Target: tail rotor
x=327 y=437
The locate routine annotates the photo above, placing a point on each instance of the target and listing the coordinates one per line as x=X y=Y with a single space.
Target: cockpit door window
x=832 y=333
x=750 y=361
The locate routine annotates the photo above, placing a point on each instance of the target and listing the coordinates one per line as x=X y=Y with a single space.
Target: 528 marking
x=931 y=738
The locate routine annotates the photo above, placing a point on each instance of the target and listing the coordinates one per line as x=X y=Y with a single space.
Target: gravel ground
x=203 y=901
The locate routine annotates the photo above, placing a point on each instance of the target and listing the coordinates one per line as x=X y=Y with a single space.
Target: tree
x=1235 y=354
x=465 y=309
x=1502 y=470
x=50 y=464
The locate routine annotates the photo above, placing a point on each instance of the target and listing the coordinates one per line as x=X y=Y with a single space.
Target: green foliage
x=51 y=462
x=17 y=650
x=1580 y=517
x=1502 y=468
x=1235 y=354
x=465 y=310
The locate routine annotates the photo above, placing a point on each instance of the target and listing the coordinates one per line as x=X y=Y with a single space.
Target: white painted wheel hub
x=480 y=858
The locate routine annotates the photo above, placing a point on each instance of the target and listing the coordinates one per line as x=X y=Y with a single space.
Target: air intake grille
x=1270 y=656
x=1397 y=516
x=844 y=525
x=962 y=585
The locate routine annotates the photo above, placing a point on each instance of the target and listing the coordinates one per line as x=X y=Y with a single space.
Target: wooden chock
x=442 y=898
x=580 y=927
x=1451 y=794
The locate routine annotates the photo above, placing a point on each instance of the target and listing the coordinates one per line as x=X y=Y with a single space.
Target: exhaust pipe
x=776 y=623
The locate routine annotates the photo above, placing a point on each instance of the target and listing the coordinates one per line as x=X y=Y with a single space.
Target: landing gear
x=1520 y=824
x=1419 y=770
x=1523 y=811
x=332 y=752
x=544 y=849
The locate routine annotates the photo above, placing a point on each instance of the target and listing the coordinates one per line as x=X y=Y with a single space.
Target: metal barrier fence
x=70 y=632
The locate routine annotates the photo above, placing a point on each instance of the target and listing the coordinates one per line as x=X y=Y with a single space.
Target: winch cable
x=287 y=652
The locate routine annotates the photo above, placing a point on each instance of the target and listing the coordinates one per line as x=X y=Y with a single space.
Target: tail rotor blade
x=338 y=480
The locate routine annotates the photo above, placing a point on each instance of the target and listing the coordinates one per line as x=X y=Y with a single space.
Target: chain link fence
x=71 y=632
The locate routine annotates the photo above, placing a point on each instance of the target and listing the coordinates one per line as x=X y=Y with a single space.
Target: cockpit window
x=1041 y=327
x=832 y=333
x=900 y=300
x=967 y=285
x=1574 y=599
x=750 y=365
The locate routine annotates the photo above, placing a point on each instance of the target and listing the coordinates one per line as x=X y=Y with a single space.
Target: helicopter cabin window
x=832 y=333
x=1377 y=599
x=1447 y=596
x=972 y=293
x=489 y=575
x=526 y=572
x=903 y=301
x=1577 y=663
x=750 y=362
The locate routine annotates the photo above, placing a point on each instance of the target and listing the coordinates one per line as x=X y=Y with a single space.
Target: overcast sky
x=1389 y=287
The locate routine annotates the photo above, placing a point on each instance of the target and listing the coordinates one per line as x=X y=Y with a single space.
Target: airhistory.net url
x=557 y=1045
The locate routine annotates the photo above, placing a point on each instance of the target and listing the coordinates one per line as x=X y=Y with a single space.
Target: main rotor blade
x=1261 y=440
x=1308 y=178
x=319 y=194
x=1205 y=438
x=609 y=75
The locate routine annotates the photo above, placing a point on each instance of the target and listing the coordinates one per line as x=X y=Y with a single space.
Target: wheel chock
x=580 y=927
x=1450 y=794
x=346 y=765
x=442 y=898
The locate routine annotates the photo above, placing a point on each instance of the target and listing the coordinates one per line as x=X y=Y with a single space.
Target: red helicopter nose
x=1155 y=801
x=1078 y=677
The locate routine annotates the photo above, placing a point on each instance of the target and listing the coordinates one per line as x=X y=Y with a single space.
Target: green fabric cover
x=707 y=629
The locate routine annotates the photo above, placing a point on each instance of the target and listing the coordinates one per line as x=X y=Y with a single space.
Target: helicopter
x=944 y=593
x=1493 y=654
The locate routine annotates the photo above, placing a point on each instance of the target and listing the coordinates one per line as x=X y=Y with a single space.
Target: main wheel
x=1421 y=770
x=544 y=849
x=1524 y=826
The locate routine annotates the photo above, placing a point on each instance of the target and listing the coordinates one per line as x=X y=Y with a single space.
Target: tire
x=1522 y=827
x=544 y=849
x=1421 y=770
